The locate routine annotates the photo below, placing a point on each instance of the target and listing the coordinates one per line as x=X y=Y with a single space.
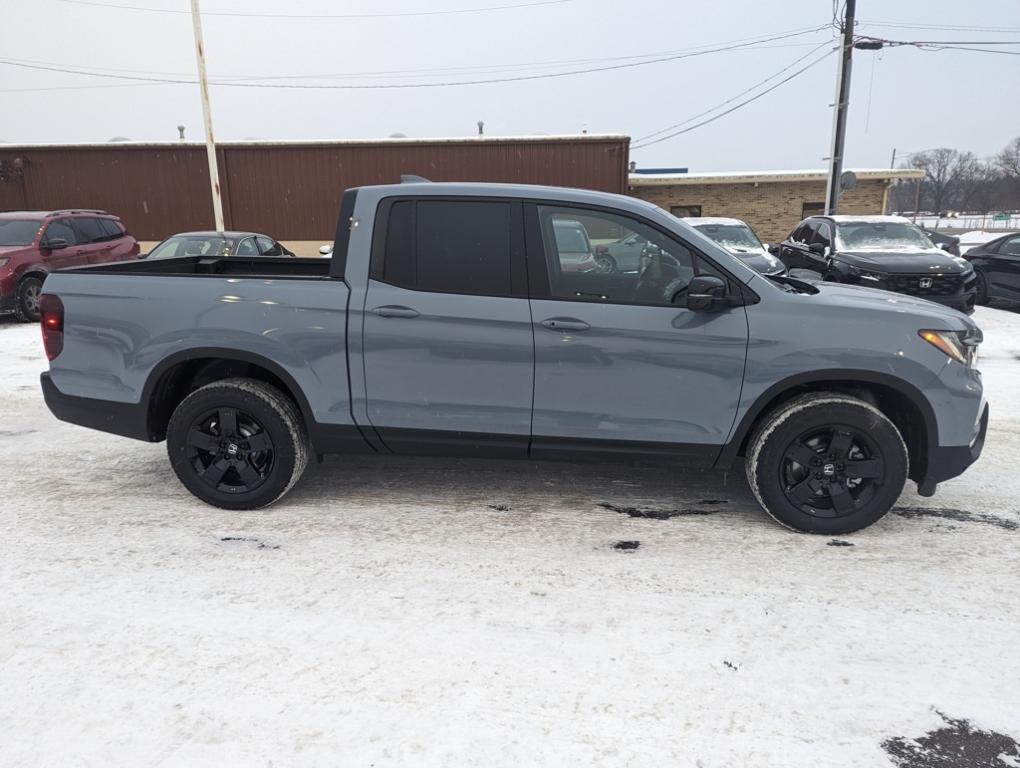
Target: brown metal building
x=289 y=189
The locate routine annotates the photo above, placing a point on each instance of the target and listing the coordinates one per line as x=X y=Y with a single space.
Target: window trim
x=518 y=265
x=540 y=287
x=237 y=247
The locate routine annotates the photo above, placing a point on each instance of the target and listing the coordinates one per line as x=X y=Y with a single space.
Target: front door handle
x=565 y=324
x=392 y=310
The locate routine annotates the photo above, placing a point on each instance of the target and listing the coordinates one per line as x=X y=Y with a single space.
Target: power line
x=752 y=45
x=234 y=14
x=757 y=85
x=937 y=27
x=382 y=86
x=737 y=106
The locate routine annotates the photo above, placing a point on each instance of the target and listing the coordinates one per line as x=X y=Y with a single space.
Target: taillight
x=51 y=317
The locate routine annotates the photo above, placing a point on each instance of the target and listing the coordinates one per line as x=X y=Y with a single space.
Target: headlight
x=967 y=266
x=4 y=261
x=960 y=346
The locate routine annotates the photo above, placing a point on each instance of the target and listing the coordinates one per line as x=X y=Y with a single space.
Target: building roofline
x=764 y=177
x=532 y=139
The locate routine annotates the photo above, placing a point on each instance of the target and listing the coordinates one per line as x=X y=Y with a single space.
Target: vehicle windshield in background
x=18 y=231
x=197 y=245
x=877 y=235
x=570 y=238
x=731 y=236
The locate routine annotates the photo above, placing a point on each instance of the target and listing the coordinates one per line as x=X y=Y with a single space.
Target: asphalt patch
x=656 y=514
x=959 y=515
x=261 y=544
x=839 y=543
x=956 y=745
x=627 y=545
x=500 y=507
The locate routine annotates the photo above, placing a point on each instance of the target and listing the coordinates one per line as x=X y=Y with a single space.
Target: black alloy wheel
x=832 y=471
x=230 y=451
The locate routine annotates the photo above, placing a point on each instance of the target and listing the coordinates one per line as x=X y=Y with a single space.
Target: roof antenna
x=481 y=127
x=410 y=178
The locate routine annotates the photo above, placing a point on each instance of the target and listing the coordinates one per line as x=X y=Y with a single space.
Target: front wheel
x=981 y=293
x=26 y=300
x=237 y=443
x=826 y=463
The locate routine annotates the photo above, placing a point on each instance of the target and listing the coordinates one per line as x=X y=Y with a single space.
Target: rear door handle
x=565 y=324
x=392 y=310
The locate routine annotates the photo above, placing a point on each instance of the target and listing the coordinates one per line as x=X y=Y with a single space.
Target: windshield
x=191 y=245
x=731 y=236
x=18 y=231
x=571 y=239
x=878 y=235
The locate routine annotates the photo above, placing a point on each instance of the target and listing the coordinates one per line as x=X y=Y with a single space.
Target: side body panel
x=119 y=328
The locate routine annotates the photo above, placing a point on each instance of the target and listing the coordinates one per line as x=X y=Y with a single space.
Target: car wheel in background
x=826 y=463
x=26 y=300
x=605 y=263
x=237 y=443
x=981 y=293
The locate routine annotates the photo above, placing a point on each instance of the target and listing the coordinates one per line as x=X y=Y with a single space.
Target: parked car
x=214 y=244
x=887 y=252
x=997 y=264
x=34 y=243
x=948 y=243
x=574 y=246
x=740 y=240
x=450 y=322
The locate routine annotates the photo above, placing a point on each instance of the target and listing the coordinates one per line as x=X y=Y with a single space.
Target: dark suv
x=887 y=252
x=35 y=243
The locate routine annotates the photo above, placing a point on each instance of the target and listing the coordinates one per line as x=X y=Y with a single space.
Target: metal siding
x=291 y=191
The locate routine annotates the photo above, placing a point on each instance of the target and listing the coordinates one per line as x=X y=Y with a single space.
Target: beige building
x=772 y=202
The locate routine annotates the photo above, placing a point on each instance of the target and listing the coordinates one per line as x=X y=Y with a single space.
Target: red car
x=34 y=243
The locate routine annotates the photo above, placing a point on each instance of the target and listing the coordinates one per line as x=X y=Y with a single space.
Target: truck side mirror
x=54 y=244
x=706 y=293
x=817 y=248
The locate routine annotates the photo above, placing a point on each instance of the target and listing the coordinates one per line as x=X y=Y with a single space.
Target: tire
x=858 y=473
x=244 y=461
x=606 y=264
x=981 y=293
x=26 y=299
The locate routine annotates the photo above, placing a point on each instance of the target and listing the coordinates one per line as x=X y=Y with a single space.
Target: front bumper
x=963 y=299
x=125 y=419
x=946 y=462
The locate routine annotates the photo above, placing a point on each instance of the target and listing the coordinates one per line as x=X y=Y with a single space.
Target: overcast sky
x=903 y=98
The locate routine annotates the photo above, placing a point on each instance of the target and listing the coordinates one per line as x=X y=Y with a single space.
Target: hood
x=874 y=299
x=758 y=259
x=14 y=250
x=906 y=261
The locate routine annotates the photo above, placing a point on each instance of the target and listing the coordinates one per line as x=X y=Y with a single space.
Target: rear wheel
x=605 y=263
x=237 y=443
x=26 y=299
x=826 y=463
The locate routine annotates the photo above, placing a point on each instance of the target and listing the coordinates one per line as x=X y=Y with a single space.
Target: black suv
x=887 y=252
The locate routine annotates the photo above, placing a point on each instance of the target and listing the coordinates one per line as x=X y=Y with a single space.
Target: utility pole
x=839 y=113
x=210 y=143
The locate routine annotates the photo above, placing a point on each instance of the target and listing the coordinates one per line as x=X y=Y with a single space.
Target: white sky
x=917 y=99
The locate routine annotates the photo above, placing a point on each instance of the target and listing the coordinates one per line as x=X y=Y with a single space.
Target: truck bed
x=205 y=266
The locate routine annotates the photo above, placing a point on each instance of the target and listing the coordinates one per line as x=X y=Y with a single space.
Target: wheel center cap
x=828 y=470
x=232 y=449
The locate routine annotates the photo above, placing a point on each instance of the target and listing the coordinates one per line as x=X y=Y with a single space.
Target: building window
x=811 y=209
x=683 y=211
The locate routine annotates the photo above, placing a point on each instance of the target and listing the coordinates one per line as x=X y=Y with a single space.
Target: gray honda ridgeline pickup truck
x=455 y=320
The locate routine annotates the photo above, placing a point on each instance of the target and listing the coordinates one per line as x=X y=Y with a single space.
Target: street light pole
x=210 y=143
x=839 y=113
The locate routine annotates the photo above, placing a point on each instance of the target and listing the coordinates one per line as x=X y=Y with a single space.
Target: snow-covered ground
x=455 y=613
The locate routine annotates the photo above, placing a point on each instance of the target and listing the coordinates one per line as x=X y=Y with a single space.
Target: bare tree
x=1008 y=160
x=951 y=178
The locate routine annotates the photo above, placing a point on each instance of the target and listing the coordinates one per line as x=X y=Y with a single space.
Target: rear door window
x=112 y=229
x=269 y=247
x=89 y=230
x=448 y=246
